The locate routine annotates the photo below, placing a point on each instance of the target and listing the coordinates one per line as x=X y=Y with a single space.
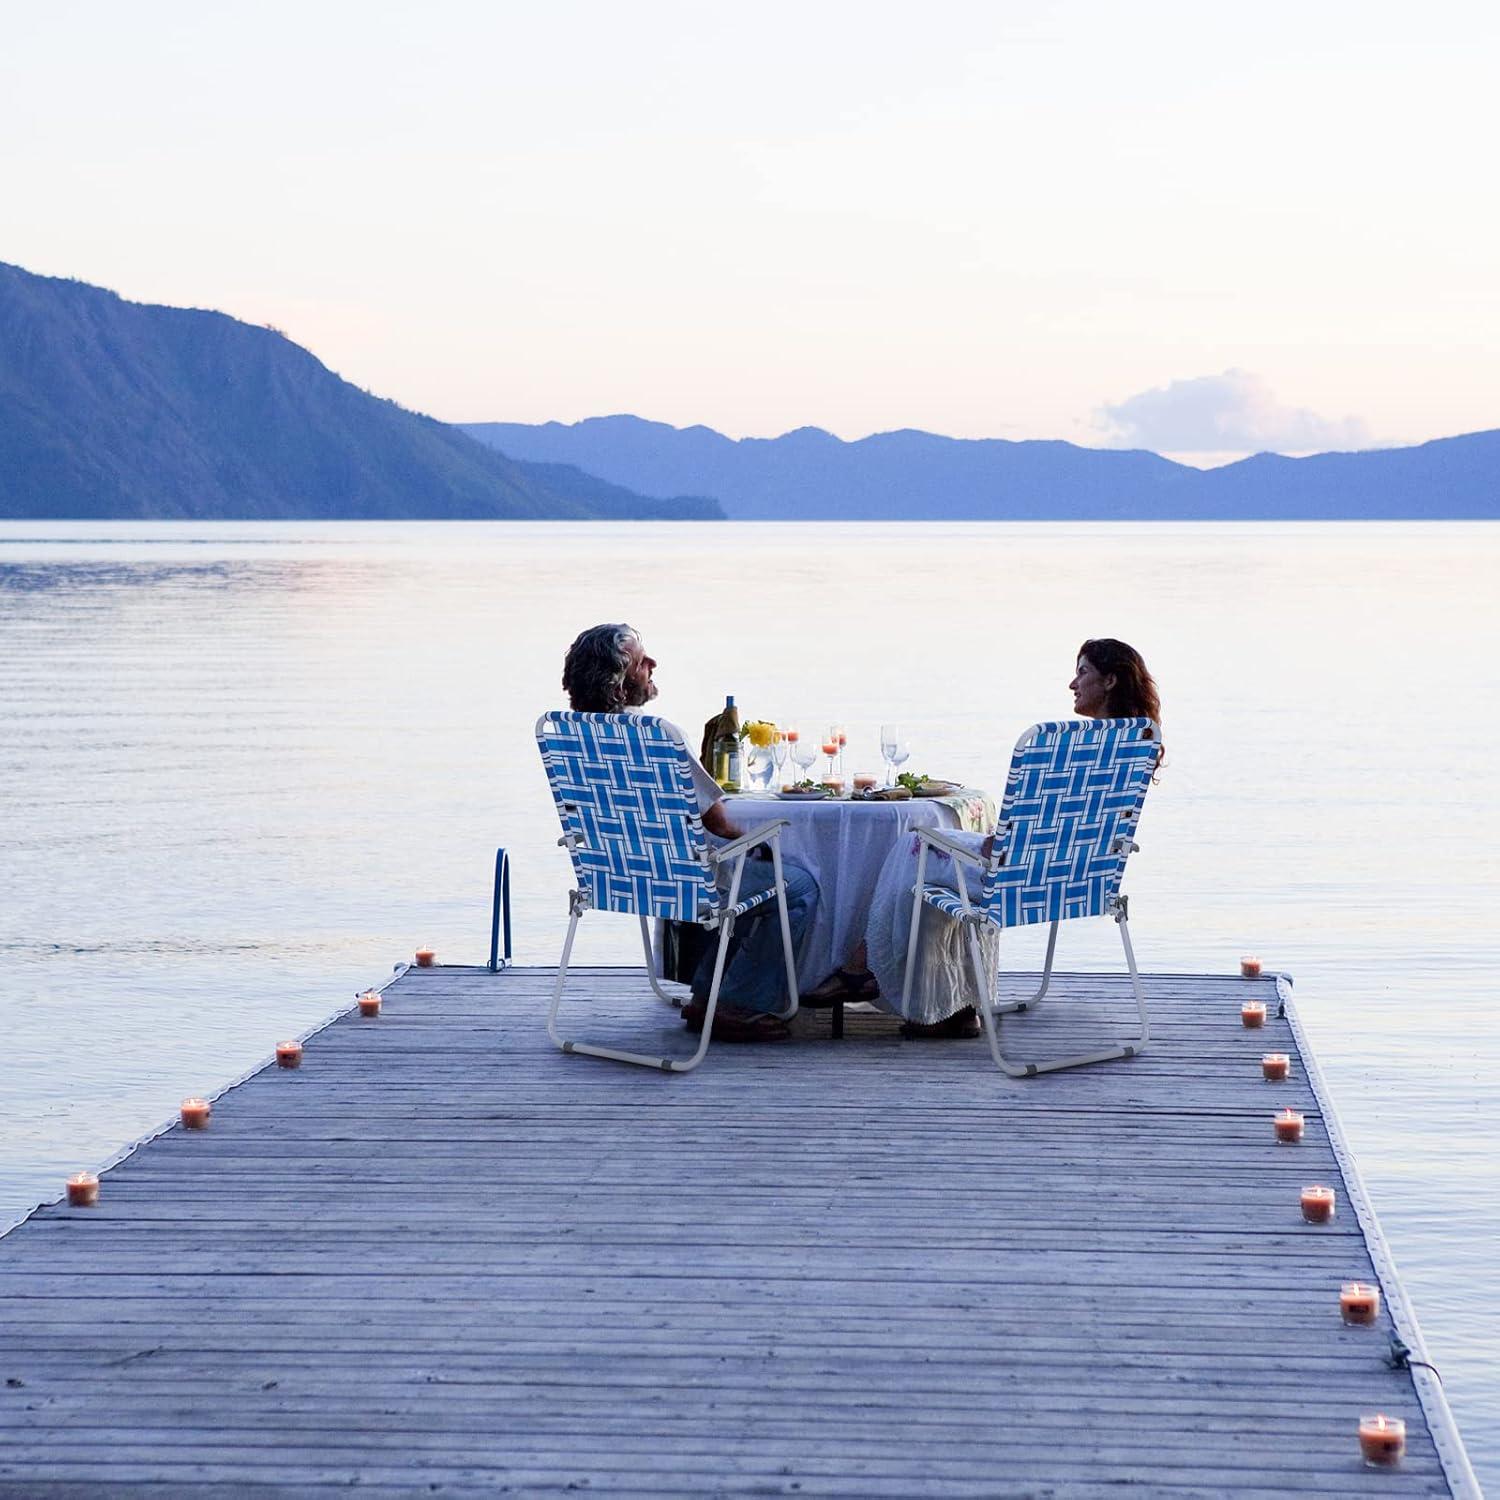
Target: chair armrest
x=771 y=830
x=949 y=846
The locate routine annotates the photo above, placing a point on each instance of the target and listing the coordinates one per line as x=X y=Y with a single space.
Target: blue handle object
x=500 y=912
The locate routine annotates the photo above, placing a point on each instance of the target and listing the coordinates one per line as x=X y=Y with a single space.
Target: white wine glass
x=890 y=738
x=779 y=751
x=804 y=753
x=900 y=753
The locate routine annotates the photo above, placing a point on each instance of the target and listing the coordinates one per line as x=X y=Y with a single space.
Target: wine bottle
x=727 y=747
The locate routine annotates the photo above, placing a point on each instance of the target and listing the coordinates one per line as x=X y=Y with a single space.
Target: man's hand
x=717 y=821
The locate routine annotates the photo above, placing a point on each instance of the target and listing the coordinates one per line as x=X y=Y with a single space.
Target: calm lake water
x=245 y=768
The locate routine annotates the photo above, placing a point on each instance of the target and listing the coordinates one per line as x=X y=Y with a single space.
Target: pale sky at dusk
x=1194 y=227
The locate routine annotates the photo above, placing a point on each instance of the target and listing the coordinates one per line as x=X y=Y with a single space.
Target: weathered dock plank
x=444 y=1258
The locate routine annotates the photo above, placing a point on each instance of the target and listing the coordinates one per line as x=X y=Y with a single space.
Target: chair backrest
x=629 y=814
x=1072 y=798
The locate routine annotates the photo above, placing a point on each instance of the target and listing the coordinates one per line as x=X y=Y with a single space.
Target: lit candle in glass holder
x=1249 y=967
x=1288 y=1125
x=831 y=749
x=288 y=1054
x=1253 y=1014
x=369 y=1003
x=1317 y=1204
x=83 y=1190
x=425 y=958
x=195 y=1113
x=1359 y=1303
x=1382 y=1440
x=1274 y=1067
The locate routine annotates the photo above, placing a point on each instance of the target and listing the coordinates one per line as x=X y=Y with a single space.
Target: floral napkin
x=975 y=809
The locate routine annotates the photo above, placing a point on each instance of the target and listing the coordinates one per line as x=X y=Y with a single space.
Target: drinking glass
x=804 y=752
x=779 y=754
x=890 y=737
x=841 y=734
x=900 y=753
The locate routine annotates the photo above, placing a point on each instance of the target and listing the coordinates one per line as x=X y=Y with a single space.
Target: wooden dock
x=443 y=1258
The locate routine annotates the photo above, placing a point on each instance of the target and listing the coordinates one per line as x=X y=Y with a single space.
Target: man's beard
x=639 y=693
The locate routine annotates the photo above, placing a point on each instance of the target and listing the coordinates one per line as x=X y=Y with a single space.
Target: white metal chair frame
x=692 y=862
x=1121 y=845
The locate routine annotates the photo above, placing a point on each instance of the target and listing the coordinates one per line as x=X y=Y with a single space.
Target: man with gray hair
x=607 y=671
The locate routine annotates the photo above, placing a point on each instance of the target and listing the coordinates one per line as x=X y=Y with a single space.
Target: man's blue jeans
x=755 y=966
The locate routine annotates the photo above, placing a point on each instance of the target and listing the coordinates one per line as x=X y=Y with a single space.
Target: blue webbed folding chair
x=630 y=823
x=1072 y=801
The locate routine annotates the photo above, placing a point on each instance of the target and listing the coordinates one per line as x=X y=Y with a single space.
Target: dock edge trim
x=123 y=1153
x=1445 y=1434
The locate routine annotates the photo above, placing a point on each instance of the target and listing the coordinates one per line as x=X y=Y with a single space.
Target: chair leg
x=562 y=976
x=651 y=974
x=1129 y=1048
x=793 y=994
x=1135 y=981
x=916 y=923
x=613 y=1054
x=1035 y=999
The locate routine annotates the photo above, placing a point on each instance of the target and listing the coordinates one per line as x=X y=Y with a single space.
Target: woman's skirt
x=944 y=981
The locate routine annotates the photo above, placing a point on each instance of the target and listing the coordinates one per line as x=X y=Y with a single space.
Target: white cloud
x=1235 y=412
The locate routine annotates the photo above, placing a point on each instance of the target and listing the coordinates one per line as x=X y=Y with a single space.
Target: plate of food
x=803 y=791
x=927 y=786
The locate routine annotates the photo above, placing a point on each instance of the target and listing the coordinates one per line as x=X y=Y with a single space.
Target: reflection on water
x=89 y=577
x=246 y=768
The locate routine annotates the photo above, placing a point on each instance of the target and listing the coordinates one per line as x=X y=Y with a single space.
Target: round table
x=843 y=845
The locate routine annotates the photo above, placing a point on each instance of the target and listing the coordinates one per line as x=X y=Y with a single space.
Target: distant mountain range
x=811 y=475
x=115 y=409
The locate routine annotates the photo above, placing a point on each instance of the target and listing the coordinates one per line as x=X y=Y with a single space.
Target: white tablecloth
x=843 y=845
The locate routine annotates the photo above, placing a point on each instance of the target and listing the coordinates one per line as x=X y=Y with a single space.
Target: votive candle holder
x=83 y=1190
x=1318 y=1204
x=1359 y=1303
x=1382 y=1440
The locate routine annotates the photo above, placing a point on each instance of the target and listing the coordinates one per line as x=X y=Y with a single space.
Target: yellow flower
x=760 y=733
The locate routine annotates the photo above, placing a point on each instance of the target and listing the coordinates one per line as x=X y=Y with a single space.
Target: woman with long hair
x=1110 y=681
